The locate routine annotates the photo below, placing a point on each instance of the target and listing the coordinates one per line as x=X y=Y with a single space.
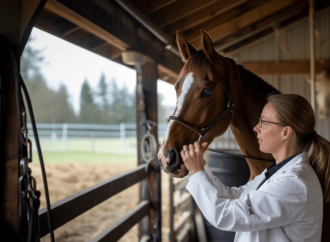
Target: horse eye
x=206 y=93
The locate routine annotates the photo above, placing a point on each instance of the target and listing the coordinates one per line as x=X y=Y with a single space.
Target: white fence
x=103 y=138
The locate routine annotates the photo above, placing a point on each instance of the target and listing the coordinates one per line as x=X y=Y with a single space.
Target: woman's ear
x=287 y=133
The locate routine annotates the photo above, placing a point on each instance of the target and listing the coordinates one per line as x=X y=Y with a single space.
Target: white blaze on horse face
x=179 y=103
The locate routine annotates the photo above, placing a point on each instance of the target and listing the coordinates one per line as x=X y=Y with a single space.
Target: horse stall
x=270 y=38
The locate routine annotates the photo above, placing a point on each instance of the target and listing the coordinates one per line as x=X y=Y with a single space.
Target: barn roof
x=149 y=26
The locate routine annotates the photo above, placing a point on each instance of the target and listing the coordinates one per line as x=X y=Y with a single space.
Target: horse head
x=202 y=97
x=322 y=87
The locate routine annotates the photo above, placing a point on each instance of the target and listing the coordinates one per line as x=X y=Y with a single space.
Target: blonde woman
x=283 y=203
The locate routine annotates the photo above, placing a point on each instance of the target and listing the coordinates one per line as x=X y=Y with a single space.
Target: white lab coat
x=287 y=207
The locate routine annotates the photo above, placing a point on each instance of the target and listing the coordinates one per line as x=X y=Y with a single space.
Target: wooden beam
x=118 y=229
x=285 y=67
x=70 y=31
x=9 y=143
x=312 y=50
x=110 y=23
x=220 y=30
x=203 y=15
x=72 y=206
x=280 y=15
x=65 y=12
x=260 y=36
x=149 y=6
x=178 y=10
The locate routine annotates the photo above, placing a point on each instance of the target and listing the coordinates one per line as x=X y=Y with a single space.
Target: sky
x=70 y=64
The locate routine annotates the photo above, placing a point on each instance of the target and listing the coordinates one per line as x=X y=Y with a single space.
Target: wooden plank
x=203 y=15
x=280 y=15
x=149 y=6
x=220 y=30
x=260 y=36
x=116 y=230
x=72 y=206
x=9 y=142
x=65 y=12
x=183 y=220
x=184 y=235
x=181 y=184
x=178 y=10
x=112 y=24
x=285 y=67
x=312 y=51
x=183 y=203
x=171 y=215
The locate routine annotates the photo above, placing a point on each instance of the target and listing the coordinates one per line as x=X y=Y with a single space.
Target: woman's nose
x=256 y=128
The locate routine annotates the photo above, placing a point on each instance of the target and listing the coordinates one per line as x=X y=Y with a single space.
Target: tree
x=88 y=109
x=30 y=61
x=50 y=106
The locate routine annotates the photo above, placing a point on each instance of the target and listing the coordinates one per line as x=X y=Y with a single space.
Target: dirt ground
x=65 y=179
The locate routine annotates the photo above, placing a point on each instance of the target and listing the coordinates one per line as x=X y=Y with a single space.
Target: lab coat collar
x=301 y=158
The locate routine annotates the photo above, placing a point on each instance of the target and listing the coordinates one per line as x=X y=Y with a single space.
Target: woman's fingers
x=191 y=149
x=204 y=145
x=197 y=146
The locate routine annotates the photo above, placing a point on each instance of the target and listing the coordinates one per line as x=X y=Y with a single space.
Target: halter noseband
x=203 y=131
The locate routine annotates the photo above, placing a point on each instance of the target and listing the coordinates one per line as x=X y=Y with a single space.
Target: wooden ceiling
x=104 y=27
x=231 y=23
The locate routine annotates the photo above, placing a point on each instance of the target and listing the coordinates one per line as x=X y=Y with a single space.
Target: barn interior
x=271 y=38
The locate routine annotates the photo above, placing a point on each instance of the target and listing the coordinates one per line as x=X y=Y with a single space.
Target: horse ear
x=185 y=48
x=208 y=47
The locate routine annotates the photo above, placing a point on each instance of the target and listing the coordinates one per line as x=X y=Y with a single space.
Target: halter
x=203 y=131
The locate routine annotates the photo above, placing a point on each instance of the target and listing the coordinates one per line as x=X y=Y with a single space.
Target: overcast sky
x=69 y=64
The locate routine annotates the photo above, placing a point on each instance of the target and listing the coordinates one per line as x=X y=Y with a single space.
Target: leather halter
x=203 y=131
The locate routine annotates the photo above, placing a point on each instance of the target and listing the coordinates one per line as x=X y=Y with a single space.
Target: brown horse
x=202 y=96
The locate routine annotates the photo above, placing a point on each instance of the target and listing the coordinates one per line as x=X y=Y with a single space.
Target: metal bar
x=116 y=230
x=72 y=206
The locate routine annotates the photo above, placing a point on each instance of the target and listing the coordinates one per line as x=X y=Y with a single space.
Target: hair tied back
x=312 y=134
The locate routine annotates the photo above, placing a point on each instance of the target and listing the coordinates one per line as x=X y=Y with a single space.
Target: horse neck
x=247 y=110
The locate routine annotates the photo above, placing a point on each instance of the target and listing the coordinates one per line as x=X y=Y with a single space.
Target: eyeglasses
x=263 y=121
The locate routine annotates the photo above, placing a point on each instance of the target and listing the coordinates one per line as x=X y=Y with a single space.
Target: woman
x=283 y=203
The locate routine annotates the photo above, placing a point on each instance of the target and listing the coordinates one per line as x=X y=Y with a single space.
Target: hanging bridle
x=204 y=131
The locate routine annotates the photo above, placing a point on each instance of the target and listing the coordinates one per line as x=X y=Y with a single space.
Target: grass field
x=84 y=157
x=87 y=150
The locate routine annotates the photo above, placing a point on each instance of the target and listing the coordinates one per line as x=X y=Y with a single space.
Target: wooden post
x=9 y=145
x=312 y=51
x=17 y=19
x=171 y=234
x=147 y=76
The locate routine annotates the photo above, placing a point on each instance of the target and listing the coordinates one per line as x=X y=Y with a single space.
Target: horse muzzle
x=173 y=163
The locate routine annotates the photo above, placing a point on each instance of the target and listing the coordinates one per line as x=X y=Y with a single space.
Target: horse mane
x=252 y=84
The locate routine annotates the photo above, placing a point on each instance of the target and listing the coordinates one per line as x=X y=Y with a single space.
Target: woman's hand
x=193 y=157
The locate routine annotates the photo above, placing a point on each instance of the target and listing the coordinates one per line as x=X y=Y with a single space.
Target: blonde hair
x=296 y=112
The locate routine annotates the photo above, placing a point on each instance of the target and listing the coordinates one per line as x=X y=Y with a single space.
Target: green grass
x=82 y=157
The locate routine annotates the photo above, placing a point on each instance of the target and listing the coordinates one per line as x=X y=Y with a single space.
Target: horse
x=322 y=87
x=209 y=84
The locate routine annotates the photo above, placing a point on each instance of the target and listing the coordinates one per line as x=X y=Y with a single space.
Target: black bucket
x=232 y=171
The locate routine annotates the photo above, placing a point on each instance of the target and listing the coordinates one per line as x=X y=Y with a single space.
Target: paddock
x=285 y=42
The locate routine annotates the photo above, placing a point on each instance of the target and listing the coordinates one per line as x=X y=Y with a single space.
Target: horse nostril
x=171 y=155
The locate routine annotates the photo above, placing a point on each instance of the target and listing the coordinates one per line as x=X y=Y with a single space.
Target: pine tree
x=88 y=109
